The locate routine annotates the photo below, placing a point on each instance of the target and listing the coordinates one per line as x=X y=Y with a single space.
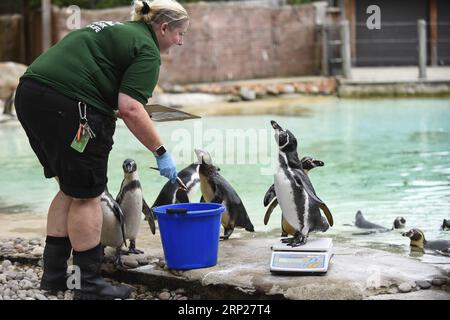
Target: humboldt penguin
x=419 y=243
x=300 y=206
x=113 y=226
x=308 y=163
x=363 y=223
x=171 y=193
x=130 y=199
x=445 y=224
x=216 y=189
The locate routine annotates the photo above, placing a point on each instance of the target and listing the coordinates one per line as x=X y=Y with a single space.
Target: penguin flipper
x=270 y=194
x=149 y=216
x=270 y=210
x=327 y=213
x=118 y=213
x=303 y=179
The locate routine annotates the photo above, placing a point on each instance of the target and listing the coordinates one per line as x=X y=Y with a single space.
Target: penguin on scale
x=300 y=208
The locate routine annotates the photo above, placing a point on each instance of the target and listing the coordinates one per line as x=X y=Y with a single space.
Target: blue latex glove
x=167 y=166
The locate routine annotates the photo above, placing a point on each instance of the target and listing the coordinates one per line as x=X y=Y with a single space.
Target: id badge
x=81 y=144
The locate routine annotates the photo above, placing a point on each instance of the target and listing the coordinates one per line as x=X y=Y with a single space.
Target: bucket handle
x=176 y=210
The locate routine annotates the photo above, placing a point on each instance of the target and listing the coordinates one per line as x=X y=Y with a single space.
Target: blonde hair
x=157 y=12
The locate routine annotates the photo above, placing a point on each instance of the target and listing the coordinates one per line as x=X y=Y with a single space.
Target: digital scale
x=312 y=257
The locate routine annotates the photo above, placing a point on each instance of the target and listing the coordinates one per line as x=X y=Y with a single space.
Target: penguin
x=299 y=203
x=399 y=223
x=113 y=226
x=445 y=224
x=130 y=199
x=419 y=243
x=308 y=163
x=171 y=193
x=361 y=222
x=216 y=189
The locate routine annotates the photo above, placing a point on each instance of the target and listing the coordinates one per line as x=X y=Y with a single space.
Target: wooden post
x=345 y=49
x=422 y=36
x=46 y=24
x=433 y=32
x=325 y=54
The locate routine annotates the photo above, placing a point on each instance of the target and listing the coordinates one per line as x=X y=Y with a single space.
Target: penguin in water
x=130 y=199
x=299 y=203
x=363 y=223
x=308 y=163
x=445 y=224
x=419 y=243
x=171 y=193
x=216 y=189
x=113 y=226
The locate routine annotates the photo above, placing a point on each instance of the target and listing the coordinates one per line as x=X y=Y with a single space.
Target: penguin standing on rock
x=299 y=203
x=308 y=163
x=216 y=189
x=171 y=192
x=113 y=226
x=130 y=199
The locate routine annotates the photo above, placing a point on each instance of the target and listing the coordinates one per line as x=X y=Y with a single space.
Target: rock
x=247 y=94
x=22 y=296
x=6 y=264
x=2 y=279
x=438 y=281
x=404 y=287
x=10 y=72
x=423 y=284
x=393 y=290
x=25 y=284
x=183 y=298
x=288 y=88
x=132 y=263
x=180 y=291
x=35 y=242
x=164 y=295
x=7 y=292
x=142 y=261
x=37 y=252
x=40 y=296
x=178 y=89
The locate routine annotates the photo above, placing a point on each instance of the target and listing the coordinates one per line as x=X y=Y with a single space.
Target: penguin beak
x=318 y=163
x=407 y=234
x=275 y=125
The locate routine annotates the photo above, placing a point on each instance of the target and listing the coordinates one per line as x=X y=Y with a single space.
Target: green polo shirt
x=95 y=63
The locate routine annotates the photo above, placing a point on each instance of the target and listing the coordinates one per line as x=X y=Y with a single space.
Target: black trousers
x=51 y=121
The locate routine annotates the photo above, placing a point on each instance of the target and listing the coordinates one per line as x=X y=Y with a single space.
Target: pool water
x=387 y=158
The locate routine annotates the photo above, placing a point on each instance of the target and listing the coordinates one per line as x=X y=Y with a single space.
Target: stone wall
x=10 y=37
x=230 y=42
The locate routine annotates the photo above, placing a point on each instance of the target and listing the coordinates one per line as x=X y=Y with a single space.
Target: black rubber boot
x=56 y=252
x=93 y=286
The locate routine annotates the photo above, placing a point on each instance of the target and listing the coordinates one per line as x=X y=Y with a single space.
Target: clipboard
x=160 y=113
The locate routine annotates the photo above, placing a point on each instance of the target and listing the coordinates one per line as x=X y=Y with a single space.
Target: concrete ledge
x=243 y=272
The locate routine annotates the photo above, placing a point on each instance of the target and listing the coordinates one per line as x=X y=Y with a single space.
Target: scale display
x=310 y=258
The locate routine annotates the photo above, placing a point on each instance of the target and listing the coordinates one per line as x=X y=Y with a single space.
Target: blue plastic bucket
x=190 y=240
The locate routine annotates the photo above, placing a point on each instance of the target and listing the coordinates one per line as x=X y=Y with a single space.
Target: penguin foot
x=295 y=241
x=134 y=251
x=132 y=248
